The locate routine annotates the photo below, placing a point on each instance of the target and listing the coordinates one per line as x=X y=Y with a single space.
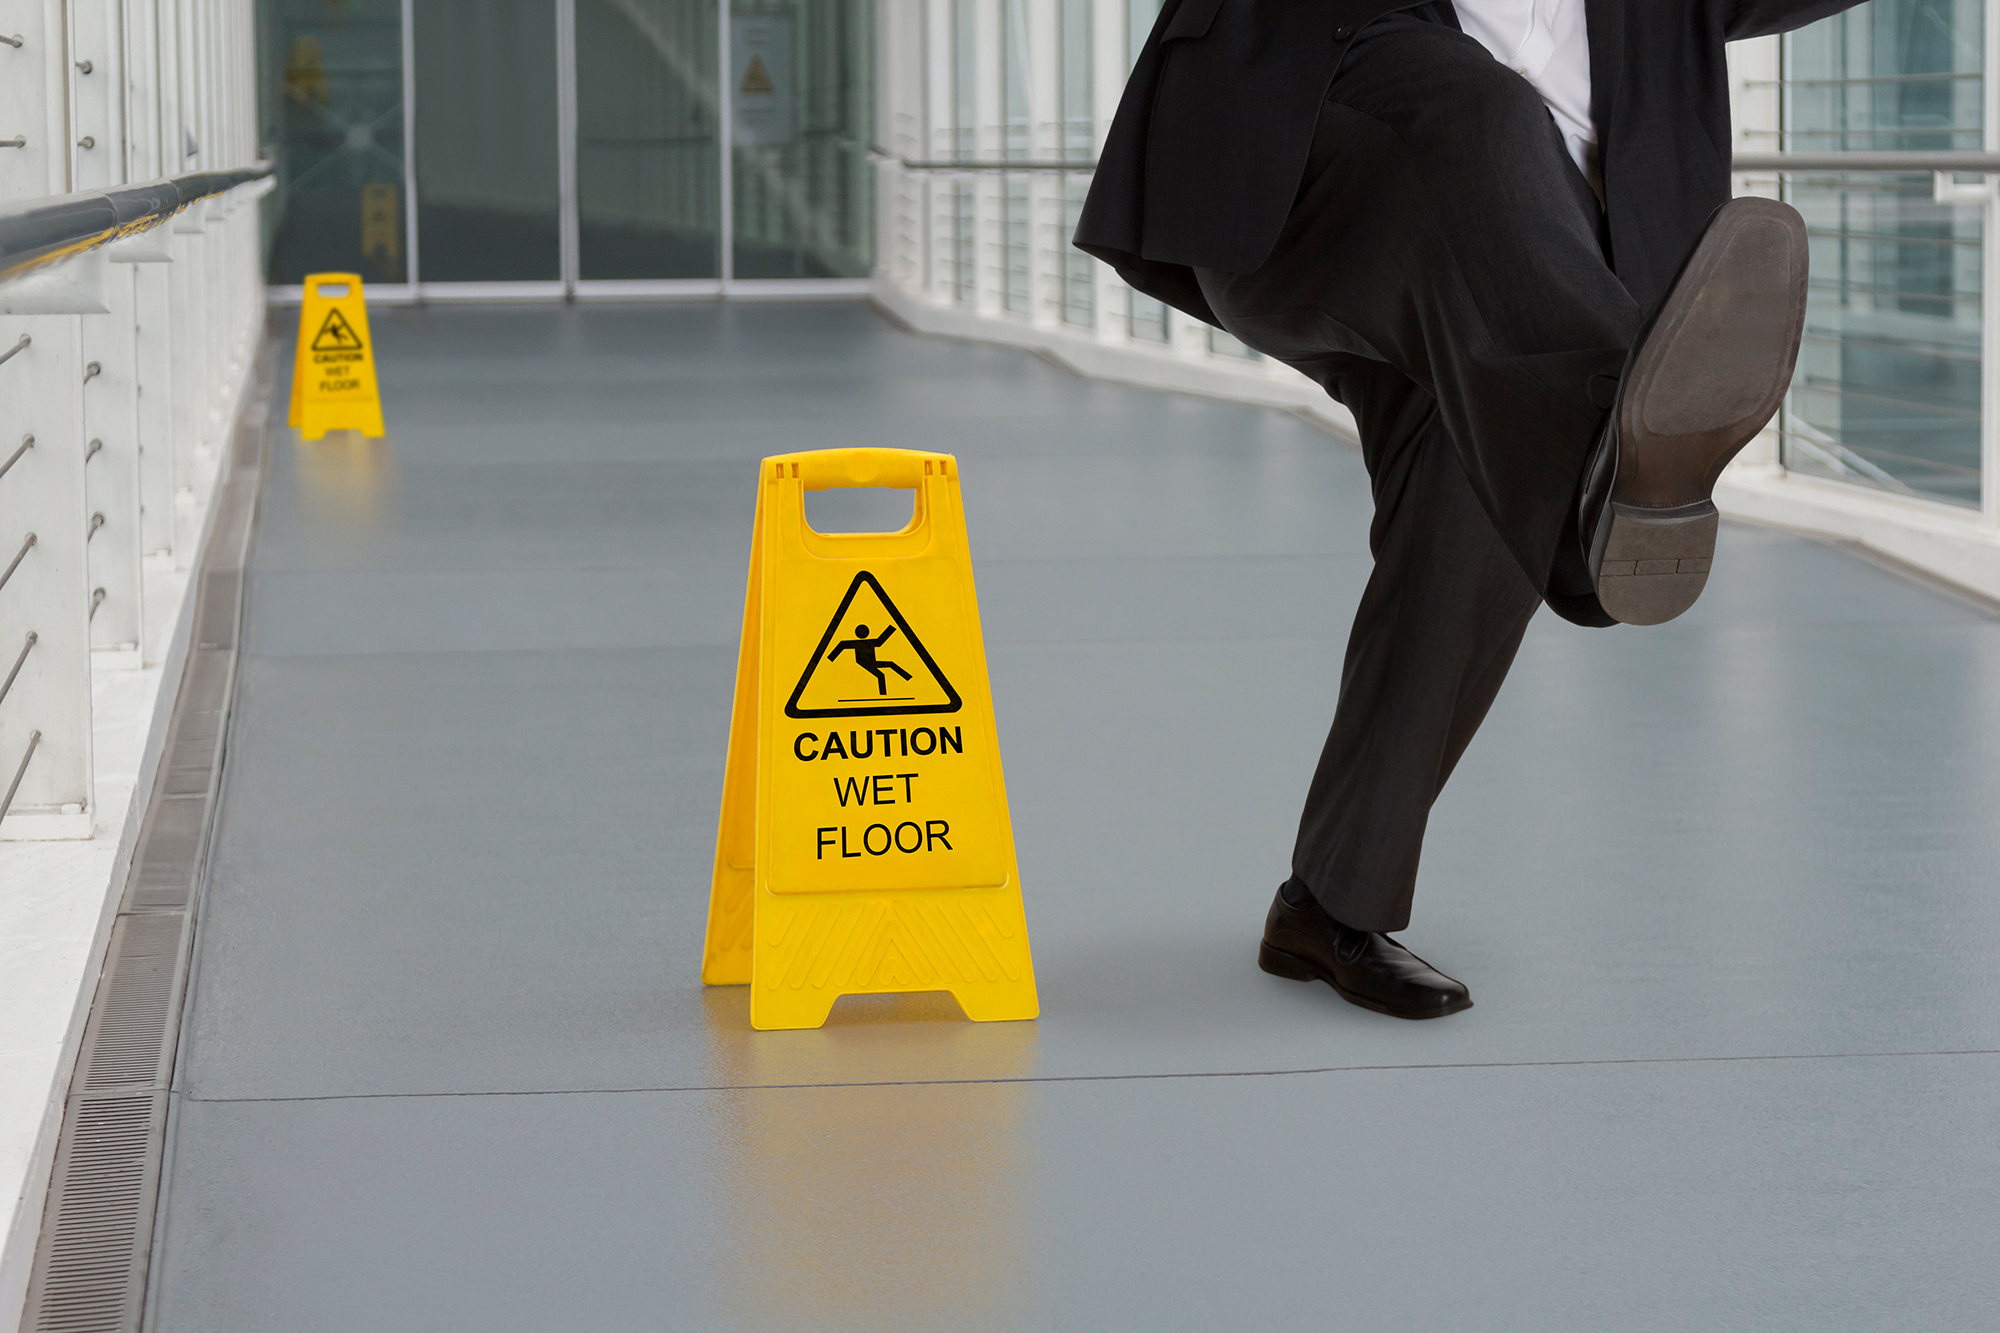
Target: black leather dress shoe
x=1365 y=966
x=1706 y=374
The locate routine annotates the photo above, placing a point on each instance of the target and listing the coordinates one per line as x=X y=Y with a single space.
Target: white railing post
x=149 y=79
x=97 y=57
x=934 y=195
x=110 y=426
x=989 y=143
x=34 y=101
x=899 y=116
x=110 y=344
x=189 y=357
x=153 y=373
x=45 y=752
x=1107 y=83
x=1045 y=143
x=220 y=313
x=139 y=30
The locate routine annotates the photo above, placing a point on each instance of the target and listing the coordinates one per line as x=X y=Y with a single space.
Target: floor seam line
x=179 y=1095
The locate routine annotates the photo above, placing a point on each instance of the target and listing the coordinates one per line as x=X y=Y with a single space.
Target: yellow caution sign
x=864 y=844
x=333 y=373
x=757 y=79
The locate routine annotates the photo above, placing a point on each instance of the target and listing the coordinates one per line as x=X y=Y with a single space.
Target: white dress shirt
x=1546 y=43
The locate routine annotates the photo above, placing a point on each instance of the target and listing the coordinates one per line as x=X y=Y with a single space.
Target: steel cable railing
x=36 y=236
x=27 y=443
x=27 y=647
x=19 y=556
x=6 y=804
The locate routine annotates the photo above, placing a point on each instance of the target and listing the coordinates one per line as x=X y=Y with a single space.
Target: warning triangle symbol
x=757 y=79
x=870 y=663
x=336 y=335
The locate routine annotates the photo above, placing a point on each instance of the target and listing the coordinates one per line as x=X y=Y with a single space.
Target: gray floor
x=1724 y=891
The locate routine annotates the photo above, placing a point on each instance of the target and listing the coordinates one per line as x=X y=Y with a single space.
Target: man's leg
x=1442 y=228
x=1442 y=275
x=1437 y=628
x=1442 y=272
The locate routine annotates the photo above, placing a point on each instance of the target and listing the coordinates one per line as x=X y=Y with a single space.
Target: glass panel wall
x=1887 y=392
x=332 y=113
x=645 y=198
x=489 y=198
x=648 y=164
x=801 y=84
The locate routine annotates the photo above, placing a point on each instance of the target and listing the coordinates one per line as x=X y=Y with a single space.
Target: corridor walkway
x=1725 y=893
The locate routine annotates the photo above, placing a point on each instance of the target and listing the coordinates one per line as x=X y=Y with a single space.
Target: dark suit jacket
x=1209 y=144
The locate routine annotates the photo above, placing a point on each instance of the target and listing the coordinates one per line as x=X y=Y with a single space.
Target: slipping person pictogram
x=1502 y=234
x=336 y=335
x=863 y=649
x=829 y=688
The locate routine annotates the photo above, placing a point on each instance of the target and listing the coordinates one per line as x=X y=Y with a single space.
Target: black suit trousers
x=1442 y=273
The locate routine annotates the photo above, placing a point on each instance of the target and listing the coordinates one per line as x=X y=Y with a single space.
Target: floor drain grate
x=92 y=1270
x=97 y=1227
x=126 y=1042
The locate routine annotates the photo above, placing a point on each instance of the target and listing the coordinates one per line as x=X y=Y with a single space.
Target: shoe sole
x=1707 y=375
x=1294 y=968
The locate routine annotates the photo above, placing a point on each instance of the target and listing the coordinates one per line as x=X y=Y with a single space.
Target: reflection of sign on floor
x=859 y=668
x=760 y=50
x=380 y=236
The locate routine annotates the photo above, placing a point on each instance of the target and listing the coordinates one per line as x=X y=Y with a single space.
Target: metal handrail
x=946 y=164
x=16 y=349
x=1967 y=160
x=1940 y=160
x=43 y=231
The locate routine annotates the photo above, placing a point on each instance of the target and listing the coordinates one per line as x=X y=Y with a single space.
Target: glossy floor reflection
x=1723 y=891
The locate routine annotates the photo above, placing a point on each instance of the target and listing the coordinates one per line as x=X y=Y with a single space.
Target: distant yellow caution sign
x=864 y=845
x=757 y=79
x=333 y=372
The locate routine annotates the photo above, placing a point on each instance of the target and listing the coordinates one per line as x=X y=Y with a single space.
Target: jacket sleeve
x=1761 y=18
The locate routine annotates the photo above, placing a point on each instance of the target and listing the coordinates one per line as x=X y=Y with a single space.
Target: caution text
x=896 y=742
